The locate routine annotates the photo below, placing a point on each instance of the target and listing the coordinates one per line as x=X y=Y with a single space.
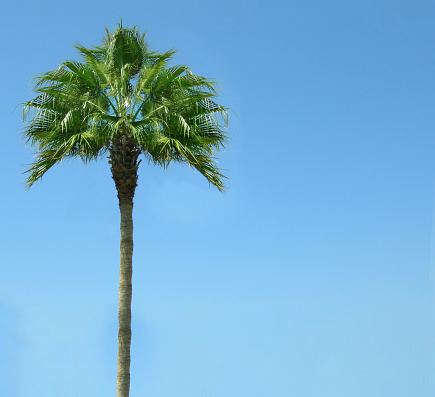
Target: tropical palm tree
x=123 y=101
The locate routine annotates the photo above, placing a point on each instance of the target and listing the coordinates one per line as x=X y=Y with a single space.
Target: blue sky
x=310 y=277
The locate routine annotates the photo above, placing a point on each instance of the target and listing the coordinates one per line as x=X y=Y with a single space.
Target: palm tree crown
x=123 y=92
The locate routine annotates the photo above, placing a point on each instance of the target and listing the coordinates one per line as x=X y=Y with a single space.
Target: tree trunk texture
x=123 y=158
x=124 y=299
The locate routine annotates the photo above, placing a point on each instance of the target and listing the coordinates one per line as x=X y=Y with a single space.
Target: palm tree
x=123 y=101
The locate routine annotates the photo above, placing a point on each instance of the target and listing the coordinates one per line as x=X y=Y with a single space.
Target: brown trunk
x=124 y=298
x=123 y=158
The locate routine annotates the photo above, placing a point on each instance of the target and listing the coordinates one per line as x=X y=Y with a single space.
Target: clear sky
x=310 y=277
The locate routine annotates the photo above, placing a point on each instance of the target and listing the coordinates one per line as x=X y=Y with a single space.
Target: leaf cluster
x=123 y=88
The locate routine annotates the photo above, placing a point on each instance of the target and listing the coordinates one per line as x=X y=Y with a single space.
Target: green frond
x=167 y=150
x=43 y=163
x=149 y=72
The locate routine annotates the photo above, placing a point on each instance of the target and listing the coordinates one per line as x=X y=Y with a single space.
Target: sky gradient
x=312 y=276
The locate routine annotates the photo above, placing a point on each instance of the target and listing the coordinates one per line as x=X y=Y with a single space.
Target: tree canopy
x=122 y=88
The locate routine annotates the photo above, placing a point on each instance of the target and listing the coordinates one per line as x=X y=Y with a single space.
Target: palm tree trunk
x=123 y=158
x=124 y=297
